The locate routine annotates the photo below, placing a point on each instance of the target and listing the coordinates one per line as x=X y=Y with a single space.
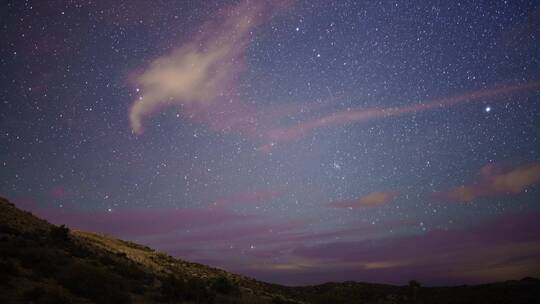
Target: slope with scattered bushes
x=44 y=263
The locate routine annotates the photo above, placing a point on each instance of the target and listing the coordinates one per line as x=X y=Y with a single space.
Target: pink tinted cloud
x=504 y=248
x=200 y=76
x=373 y=199
x=58 y=192
x=261 y=230
x=270 y=234
x=287 y=134
x=495 y=180
x=514 y=228
x=245 y=198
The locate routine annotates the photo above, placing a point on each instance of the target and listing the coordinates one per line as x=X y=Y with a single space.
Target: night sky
x=298 y=142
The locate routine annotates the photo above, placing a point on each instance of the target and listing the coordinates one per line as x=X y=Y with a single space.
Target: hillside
x=44 y=263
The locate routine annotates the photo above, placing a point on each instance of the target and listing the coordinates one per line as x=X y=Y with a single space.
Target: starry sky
x=297 y=142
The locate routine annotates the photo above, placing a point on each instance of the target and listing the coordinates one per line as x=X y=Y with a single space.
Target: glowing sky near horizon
x=298 y=142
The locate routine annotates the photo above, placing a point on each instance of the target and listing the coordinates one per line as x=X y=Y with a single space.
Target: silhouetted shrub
x=224 y=286
x=175 y=289
x=8 y=267
x=59 y=234
x=39 y=295
x=77 y=250
x=93 y=282
x=413 y=291
x=44 y=262
x=130 y=270
x=280 y=300
x=414 y=284
x=329 y=297
x=8 y=229
x=126 y=268
x=12 y=247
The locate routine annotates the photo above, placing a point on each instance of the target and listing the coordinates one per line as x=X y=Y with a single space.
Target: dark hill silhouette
x=44 y=263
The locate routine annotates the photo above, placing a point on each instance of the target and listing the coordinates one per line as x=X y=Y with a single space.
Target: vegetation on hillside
x=43 y=263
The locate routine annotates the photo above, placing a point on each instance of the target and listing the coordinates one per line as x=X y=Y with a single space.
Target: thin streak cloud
x=287 y=134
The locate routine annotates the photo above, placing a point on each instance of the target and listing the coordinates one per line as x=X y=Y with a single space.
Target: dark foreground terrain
x=44 y=263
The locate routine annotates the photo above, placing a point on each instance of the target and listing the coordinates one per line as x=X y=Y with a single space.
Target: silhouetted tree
x=59 y=233
x=413 y=290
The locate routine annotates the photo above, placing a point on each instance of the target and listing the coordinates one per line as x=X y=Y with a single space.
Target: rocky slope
x=44 y=263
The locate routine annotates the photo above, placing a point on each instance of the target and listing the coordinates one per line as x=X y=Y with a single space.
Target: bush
x=44 y=262
x=280 y=300
x=4 y=228
x=93 y=282
x=413 y=291
x=59 y=234
x=174 y=289
x=130 y=270
x=224 y=286
x=8 y=267
x=38 y=295
x=329 y=298
x=414 y=284
x=12 y=247
x=77 y=250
